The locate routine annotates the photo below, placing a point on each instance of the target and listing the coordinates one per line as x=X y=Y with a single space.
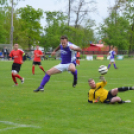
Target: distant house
x=95 y=49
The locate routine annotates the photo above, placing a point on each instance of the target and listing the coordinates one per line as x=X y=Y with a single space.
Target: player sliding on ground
x=68 y=58
x=97 y=93
x=17 y=55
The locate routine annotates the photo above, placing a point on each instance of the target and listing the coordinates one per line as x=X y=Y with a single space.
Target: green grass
x=62 y=109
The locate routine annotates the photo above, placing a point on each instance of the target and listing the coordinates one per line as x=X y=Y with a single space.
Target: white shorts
x=14 y=71
x=111 y=60
x=62 y=67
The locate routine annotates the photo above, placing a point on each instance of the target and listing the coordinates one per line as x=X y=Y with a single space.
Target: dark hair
x=63 y=37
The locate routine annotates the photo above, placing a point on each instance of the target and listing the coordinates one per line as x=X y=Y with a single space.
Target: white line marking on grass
x=15 y=125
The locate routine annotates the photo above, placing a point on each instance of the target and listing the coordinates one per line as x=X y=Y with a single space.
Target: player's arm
x=114 y=53
x=10 y=56
x=96 y=100
x=32 y=56
x=103 y=81
x=75 y=48
x=23 y=54
x=53 y=53
x=91 y=97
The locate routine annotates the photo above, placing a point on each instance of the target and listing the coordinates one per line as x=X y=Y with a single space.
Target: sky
x=61 y=5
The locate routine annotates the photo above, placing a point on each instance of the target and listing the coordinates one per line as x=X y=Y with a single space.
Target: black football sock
x=121 y=89
x=120 y=102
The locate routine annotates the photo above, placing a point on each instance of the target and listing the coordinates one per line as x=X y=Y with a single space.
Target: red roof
x=96 y=47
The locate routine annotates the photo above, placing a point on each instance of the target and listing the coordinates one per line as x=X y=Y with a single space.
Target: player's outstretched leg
x=115 y=66
x=18 y=76
x=14 y=79
x=75 y=78
x=22 y=80
x=121 y=89
x=33 y=70
x=109 y=66
x=42 y=84
x=41 y=67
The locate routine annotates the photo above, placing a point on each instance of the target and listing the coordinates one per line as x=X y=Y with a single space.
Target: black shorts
x=109 y=97
x=77 y=57
x=36 y=63
x=16 y=67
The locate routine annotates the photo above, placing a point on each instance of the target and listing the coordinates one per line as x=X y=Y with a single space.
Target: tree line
x=28 y=30
x=117 y=29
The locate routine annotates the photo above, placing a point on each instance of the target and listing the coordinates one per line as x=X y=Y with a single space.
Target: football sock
x=121 y=89
x=109 y=66
x=120 y=102
x=33 y=68
x=41 y=68
x=18 y=76
x=115 y=66
x=75 y=75
x=44 y=80
x=14 y=79
x=78 y=62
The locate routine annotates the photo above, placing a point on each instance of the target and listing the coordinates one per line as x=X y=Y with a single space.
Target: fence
x=48 y=56
x=121 y=52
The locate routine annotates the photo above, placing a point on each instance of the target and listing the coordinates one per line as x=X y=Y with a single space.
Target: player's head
x=64 y=41
x=16 y=46
x=37 y=47
x=91 y=83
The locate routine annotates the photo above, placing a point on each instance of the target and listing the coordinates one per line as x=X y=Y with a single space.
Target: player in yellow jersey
x=97 y=93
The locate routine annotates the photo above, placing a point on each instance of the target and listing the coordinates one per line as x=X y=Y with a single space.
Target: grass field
x=62 y=109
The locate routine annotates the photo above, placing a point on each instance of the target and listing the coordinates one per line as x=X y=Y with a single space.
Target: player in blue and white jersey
x=68 y=58
x=111 y=54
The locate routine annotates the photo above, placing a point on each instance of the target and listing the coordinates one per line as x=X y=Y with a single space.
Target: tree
x=115 y=32
x=70 y=2
x=129 y=15
x=6 y=2
x=80 y=10
x=3 y=31
x=30 y=26
x=56 y=26
x=8 y=20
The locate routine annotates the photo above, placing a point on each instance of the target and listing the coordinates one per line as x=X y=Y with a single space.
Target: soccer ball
x=103 y=69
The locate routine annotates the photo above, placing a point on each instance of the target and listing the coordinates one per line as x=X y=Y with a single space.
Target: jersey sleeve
x=90 y=96
x=73 y=46
x=41 y=52
x=34 y=53
x=21 y=52
x=103 y=84
x=11 y=54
